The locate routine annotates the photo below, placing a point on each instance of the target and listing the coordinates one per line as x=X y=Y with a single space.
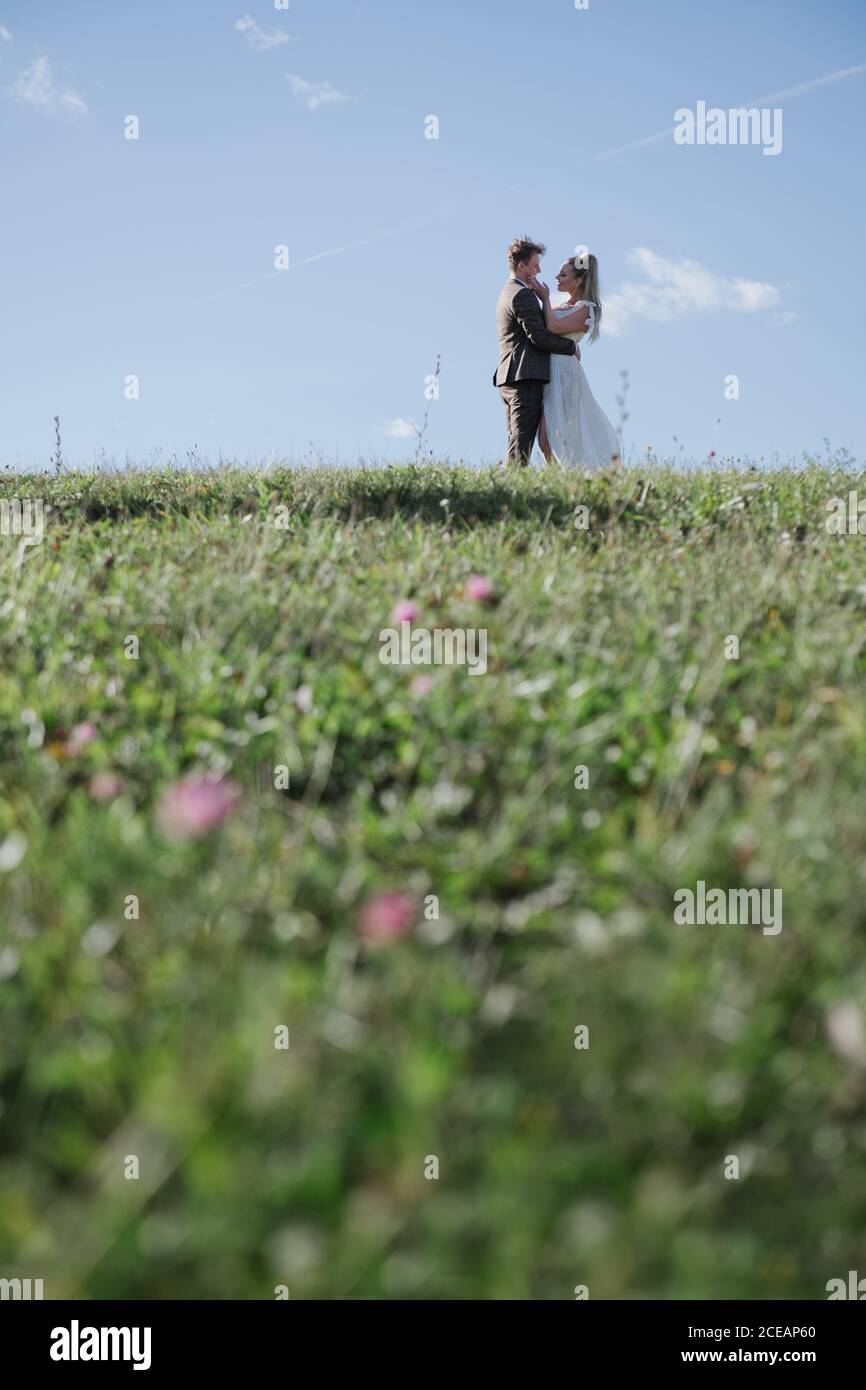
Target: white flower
x=12 y=851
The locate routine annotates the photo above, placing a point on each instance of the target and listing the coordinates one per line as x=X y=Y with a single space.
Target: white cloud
x=36 y=87
x=5 y=36
x=398 y=429
x=260 y=39
x=671 y=289
x=314 y=93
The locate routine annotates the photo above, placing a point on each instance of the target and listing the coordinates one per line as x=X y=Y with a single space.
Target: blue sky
x=155 y=257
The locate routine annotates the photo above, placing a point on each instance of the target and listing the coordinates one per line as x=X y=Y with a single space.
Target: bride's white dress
x=580 y=434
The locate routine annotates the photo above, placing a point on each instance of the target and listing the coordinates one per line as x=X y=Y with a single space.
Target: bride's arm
x=569 y=323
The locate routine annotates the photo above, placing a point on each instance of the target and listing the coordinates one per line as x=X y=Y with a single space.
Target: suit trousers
x=523 y=403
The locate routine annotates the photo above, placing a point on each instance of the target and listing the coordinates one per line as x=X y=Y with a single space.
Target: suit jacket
x=525 y=344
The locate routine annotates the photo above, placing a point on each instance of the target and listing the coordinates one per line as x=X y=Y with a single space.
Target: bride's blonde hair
x=585 y=268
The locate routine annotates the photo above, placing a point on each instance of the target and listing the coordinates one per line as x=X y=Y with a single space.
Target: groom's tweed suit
x=525 y=346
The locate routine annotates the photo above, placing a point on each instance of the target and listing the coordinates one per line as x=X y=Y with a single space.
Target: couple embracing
x=540 y=379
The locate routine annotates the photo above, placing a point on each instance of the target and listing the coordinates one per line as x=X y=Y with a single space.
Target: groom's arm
x=531 y=320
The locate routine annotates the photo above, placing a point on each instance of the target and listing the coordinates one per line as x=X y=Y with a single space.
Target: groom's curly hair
x=521 y=249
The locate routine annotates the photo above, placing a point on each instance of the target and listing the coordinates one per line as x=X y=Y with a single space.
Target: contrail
x=436 y=216
x=827 y=80
x=838 y=76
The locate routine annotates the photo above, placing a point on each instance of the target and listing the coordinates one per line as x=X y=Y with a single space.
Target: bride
x=574 y=431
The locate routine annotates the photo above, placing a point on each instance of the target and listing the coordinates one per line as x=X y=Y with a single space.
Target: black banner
x=68 y=1339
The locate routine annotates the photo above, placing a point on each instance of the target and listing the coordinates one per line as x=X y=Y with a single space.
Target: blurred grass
x=558 y=1167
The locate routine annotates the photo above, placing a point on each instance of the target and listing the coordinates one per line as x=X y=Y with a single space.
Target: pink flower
x=386 y=917
x=105 y=786
x=478 y=588
x=190 y=808
x=78 y=740
x=405 y=611
x=421 y=685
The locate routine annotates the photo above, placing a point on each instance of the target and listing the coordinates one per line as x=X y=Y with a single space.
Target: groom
x=524 y=349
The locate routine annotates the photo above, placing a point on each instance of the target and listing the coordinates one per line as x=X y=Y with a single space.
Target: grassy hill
x=241 y=1025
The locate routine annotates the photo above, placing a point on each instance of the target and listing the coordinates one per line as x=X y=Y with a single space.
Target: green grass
x=606 y=648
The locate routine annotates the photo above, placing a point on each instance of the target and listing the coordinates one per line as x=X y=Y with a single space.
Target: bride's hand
x=542 y=290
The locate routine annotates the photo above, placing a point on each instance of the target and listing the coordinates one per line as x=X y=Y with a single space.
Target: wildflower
x=78 y=740
x=405 y=611
x=104 y=786
x=190 y=808
x=386 y=917
x=478 y=588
